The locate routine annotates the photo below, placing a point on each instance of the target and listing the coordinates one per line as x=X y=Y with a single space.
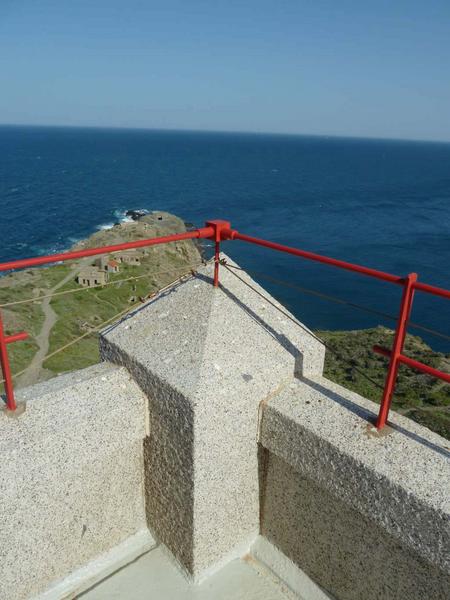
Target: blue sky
x=358 y=68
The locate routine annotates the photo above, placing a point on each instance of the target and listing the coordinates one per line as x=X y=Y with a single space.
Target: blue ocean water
x=384 y=204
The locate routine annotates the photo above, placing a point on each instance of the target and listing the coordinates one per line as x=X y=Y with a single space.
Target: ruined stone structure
x=91 y=276
x=129 y=257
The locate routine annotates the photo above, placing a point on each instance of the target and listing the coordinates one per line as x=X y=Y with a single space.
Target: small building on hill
x=92 y=276
x=108 y=264
x=112 y=266
x=129 y=257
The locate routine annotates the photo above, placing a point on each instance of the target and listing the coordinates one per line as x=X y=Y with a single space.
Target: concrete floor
x=154 y=577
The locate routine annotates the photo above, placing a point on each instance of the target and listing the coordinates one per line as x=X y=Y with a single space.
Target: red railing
x=219 y=231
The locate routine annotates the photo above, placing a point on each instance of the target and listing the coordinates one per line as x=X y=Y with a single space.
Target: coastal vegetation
x=64 y=319
x=351 y=362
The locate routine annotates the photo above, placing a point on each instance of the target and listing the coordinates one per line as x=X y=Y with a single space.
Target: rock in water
x=136 y=214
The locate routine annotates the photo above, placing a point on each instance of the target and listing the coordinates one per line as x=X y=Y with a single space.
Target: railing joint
x=219 y=228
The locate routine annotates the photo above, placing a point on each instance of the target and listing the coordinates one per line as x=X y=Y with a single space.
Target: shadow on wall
x=344 y=552
x=371 y=416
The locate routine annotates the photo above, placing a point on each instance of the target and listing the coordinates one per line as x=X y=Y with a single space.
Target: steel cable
x=337 y=300
x=92 y=287
x=97 y=328
x=291 y=318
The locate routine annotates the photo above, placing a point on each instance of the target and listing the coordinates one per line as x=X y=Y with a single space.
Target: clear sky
x=344 y=67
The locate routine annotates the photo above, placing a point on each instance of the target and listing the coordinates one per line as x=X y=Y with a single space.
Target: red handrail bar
x=414 y=364
x=220 y=231
x=432 y=289
x=204 y=232
x=209 y=231
x=16 y=337
x=409 y=284
x=235 y=235
x=232 y=234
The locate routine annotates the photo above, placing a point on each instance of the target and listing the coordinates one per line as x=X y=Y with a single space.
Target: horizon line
x=225 y=131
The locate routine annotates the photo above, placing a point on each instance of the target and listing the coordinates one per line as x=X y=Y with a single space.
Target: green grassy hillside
x=83 y=310
x=419 y=396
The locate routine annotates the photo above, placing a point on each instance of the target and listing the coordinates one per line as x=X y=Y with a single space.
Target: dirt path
x=34 y=372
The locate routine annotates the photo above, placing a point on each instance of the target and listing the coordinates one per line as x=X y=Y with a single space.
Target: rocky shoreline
x=68 y=316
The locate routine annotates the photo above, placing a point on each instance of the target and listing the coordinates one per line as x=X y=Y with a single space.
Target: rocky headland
x=64 y=317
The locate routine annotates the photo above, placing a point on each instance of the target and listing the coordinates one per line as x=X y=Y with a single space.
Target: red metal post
x=6 y=369
x=397 y=347
x=219 y=227
x=4 y=362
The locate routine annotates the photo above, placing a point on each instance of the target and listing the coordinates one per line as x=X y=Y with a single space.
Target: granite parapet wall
x=71 y=476
x=364 y=514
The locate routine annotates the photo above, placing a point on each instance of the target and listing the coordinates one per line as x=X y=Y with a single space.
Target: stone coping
x=400 y=477
x=193 y=334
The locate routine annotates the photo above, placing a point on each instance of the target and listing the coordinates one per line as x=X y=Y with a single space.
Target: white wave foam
x=74 y=240
x=105 y=226
x=122 y=217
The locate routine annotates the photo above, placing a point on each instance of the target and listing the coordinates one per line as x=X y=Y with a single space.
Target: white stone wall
x=207 y=359
x=71 y=476
x=244 y=437
x=365 y=515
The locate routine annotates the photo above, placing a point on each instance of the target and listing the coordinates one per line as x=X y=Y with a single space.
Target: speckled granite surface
x=71 y=476
x=353 y=497
x=206 y=358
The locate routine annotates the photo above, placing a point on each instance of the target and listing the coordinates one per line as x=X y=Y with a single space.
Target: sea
x=379 y=203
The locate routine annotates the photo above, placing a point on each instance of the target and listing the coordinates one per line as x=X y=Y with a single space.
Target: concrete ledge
x=400 y=480
x=346 y=553
x=391 y=487
x=100 y=568
x=71 y=477
x=286 y=571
